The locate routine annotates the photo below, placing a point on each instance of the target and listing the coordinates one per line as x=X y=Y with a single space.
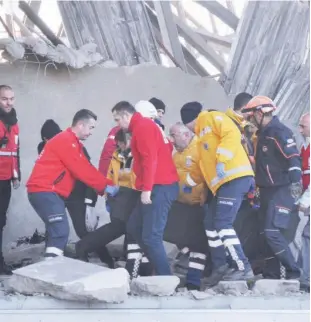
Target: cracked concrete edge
x=174 y=302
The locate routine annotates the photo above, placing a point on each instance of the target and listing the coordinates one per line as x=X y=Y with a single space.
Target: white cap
x=146 y=109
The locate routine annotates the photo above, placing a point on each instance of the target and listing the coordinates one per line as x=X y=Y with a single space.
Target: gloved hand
x=91 y=220
x=112 y=190
x=108 y=208
x=220 y=170
x=186 y=189
x=252 y=190
x=296 y=190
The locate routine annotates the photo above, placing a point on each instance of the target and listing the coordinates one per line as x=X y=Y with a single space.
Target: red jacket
x=305 y=157
x=107 y=152
x=152 y=154
x=9 y=153
x=60 y=164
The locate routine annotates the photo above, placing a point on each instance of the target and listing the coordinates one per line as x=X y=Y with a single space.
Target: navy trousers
x=147 y=223
x=225 y=246
x=51 y=209
x=276 y=209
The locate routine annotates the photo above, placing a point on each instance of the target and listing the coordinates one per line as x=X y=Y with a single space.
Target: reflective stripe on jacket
x=9 y=152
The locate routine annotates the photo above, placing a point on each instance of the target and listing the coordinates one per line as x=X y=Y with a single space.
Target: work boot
x=217 y=275
x=239 y=275
x=4 y=268
x=192 y=287
x=105 y=257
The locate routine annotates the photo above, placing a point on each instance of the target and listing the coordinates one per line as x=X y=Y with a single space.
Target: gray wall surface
x=59 y=94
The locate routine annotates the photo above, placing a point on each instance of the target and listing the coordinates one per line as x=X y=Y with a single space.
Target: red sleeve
x=79 y=166
x=146 y=144
x=107 y=152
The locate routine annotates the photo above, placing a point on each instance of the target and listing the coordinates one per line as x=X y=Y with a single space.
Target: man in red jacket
x=59 y=165
x=156 y=178
x=9 y=159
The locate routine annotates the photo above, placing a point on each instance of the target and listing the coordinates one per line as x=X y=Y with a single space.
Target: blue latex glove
x=186 y=189
x=220 y=170
x=108 y=208
x=112 y=190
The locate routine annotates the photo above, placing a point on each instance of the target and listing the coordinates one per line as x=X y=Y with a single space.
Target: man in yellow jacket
x=185 y=221
x=227 y=171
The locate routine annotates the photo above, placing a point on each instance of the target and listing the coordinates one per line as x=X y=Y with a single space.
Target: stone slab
x=69 y=279
x=275 y=287
x=154 y=285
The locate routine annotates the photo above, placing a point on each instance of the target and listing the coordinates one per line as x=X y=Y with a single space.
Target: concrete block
x=25 y=252
x=154 y=285
x=69 y=279
x=234 y=288
x=197 y=295
x=275 y=287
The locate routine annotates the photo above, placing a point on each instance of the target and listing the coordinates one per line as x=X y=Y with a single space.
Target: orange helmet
x=262 y=103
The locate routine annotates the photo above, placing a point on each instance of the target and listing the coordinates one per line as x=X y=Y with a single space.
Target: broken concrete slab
x=197 y=295
x=231 y=288
x=25 y=252
x=72 y=280
x=154 y=285
x=275 y=287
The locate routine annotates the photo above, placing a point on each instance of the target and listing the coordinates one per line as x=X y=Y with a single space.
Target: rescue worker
x=82 y=200
x=9 y=160
x=237 y=117
x=278 y=176
x=226 y=169
x=185 y=220
x=56 y=170
x=304 y=202
x=156 y=178
x=160 y=107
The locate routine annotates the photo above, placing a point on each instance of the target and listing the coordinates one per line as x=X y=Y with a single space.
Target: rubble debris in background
x=275 y=287
x=69 y=279
x=154 y=285
x=60 y=54
x=234 y=288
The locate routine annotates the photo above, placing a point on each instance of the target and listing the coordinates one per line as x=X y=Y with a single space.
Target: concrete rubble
x=69 y=279
x=275 y=287
x=154 y=285
x=234 y=288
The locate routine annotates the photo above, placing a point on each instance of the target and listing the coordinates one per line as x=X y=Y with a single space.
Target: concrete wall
x=59 y=94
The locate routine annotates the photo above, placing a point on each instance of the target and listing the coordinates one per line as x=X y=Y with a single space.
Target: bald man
x=304 y=202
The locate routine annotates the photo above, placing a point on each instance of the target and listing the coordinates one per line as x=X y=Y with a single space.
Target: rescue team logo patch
x=264 y=148
x=188 y=161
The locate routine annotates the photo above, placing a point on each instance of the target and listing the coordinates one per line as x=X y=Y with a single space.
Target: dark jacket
x=277 y=158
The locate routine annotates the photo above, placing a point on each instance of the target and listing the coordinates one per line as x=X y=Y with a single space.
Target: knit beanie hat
x=146 y=109
x=158 y=104
x=49 y=129
x=190 y=112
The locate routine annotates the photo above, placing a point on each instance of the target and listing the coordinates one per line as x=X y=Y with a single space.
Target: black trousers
x=77 y=211
x=5 y=196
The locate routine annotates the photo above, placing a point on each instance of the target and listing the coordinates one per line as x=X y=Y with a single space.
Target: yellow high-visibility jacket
x=185 y=162
x=219 y=140
x=119 y=172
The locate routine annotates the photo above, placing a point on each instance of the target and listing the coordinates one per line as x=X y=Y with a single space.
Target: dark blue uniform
x=278 y=165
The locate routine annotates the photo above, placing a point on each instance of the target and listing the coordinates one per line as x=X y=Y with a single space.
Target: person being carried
x=56 y=170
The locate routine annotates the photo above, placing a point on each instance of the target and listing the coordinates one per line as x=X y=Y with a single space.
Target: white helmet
x=146 y=109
